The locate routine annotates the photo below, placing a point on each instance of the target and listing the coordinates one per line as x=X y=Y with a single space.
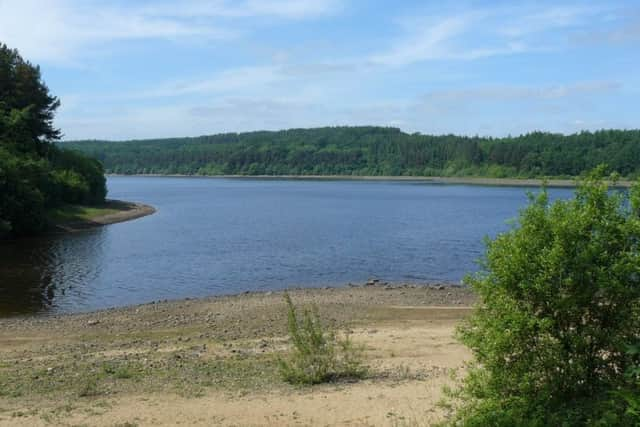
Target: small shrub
x=89 y=388
x=121 y=372
x=318 y=355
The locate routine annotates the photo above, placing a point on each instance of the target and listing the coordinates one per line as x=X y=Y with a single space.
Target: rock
x=93 y=322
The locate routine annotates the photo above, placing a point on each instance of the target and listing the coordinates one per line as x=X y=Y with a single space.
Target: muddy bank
x=248 y=314
x=119 y=211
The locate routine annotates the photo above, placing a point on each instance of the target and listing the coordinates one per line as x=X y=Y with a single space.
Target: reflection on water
x=35 y=272
x=221 y=236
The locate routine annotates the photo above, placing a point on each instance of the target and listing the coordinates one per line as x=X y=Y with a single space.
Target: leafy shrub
x=318 y=355
x=559 y=303
x=71 y=186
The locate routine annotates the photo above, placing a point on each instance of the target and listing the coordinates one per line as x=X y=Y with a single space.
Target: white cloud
x=486 y=110
x=424 y=43
x=229 y=114
x=482 y=33
x=268 y=80
x=300 y=75
x=231 y=80
x=519 y=23
x=505 y=93
x=289 y=9
x=56 y=30
x=60 y=30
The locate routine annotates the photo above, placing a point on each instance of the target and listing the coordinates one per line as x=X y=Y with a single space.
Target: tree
x=27 y=109
x=35 y=175
x=559 y=306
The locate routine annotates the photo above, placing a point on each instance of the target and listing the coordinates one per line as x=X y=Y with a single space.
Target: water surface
x=221 y=236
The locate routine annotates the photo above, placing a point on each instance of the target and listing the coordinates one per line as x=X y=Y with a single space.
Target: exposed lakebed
x=214 y=236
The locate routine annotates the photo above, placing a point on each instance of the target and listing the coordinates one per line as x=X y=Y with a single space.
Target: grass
x=180 y=371
x=79 y=213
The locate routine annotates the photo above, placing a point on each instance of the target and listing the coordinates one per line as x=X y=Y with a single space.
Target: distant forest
x=375 y=151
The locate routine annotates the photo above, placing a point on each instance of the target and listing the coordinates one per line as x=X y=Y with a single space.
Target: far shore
x=505 y=182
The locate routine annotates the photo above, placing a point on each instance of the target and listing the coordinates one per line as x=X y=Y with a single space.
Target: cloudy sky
x=137 y=69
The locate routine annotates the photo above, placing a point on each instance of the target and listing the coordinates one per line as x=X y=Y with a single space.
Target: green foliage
x=631 y=394
x=22 y=205
x=27 y=108
x=559 y=305
x=35 y=175
x=84 y=180
x=361 y=151
x=318 y=356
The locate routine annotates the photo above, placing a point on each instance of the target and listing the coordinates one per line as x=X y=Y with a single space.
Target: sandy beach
x=213 y=361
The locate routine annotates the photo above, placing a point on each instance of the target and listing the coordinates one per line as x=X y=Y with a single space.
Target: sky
x=127 y=69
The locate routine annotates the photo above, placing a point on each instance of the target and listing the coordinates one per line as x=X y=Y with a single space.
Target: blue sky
x=140 y=69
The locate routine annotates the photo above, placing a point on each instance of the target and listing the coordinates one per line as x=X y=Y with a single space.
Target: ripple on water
x=221 y=236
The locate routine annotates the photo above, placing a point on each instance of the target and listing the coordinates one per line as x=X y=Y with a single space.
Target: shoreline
x=126 y=211
x=452 y=295
x=497 y=182
x=447 y=294
x=203 y=361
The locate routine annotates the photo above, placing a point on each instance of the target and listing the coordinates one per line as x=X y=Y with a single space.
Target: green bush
x=559 y=304
x=71 y=186
x=318 y=355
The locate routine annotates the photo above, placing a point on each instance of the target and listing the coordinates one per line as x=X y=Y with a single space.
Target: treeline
x=373 y=151
x=36 y=175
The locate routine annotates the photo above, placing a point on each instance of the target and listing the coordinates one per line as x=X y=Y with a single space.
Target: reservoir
x=216 y=236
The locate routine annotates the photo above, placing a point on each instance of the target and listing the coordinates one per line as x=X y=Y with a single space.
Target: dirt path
x=213 y=362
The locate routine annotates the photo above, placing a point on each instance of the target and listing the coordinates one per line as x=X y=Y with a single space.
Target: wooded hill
x=371 y=151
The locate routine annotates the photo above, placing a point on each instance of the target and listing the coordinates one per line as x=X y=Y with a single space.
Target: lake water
x=215 y=236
